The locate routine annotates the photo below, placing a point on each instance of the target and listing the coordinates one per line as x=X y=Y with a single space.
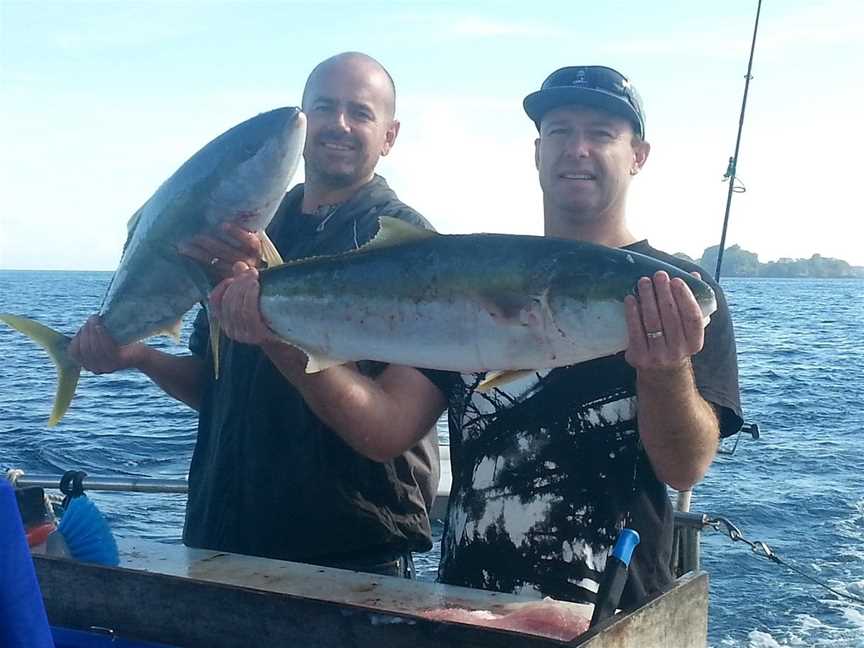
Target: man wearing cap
x=549 y=468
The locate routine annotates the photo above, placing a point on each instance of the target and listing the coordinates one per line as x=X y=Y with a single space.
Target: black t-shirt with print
x=548 y=468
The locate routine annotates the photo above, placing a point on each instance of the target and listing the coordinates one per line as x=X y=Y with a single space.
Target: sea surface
x=799 y=488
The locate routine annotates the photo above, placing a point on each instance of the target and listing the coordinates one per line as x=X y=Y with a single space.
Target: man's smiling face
x=585 y=159
x=349 y=108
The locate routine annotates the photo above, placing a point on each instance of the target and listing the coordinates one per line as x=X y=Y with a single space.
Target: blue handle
x=625 y=545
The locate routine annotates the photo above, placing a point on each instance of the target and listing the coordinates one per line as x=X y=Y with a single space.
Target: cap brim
x=539 y=103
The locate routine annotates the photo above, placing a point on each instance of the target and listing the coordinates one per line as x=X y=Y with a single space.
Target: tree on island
x=738 y=262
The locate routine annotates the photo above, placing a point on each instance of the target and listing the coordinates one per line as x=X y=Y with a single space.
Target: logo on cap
x=579 y=79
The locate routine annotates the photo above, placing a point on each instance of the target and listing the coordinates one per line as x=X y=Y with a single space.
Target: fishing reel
x=748 y=428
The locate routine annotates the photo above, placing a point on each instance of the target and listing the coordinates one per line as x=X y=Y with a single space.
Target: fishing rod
x=733 y=161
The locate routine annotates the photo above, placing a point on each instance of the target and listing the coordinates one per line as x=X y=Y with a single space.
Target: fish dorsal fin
x=133 y=222
x=394 y=231
x=131 y=225
x=391 y=232
x=269 y=252
x=497 y=378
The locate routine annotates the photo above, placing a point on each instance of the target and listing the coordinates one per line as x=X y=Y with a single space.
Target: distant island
x=738 y=262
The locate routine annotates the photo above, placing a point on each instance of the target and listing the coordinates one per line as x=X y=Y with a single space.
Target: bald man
x=283 y=467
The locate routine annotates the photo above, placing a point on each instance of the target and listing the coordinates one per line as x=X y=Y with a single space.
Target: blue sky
x=100 y=102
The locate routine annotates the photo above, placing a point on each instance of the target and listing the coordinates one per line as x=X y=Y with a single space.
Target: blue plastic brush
x=87 y=534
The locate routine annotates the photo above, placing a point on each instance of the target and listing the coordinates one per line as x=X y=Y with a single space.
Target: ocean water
x=799 y=488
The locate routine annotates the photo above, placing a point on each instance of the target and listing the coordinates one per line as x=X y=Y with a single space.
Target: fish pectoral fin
x=56 y=344
x=215 y=334
x=269 y=252
x=497 y=378
x=394 y=231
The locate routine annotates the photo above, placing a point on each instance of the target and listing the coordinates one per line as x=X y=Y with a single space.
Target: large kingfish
x=240 y=176
x=478 y=302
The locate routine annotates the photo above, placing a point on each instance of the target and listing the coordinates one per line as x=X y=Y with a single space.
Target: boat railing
x=116 y=484
x=687 y=535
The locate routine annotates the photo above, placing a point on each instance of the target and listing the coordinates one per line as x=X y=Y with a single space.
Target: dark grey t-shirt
x=547 y=469
x=268 y=478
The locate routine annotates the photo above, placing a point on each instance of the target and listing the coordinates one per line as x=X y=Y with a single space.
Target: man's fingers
x=218 y=254
x=637 y=345
x=693 y=328
x=241 y=268
x=235 y=301
x=75 y=349
x=91 y=355
x=86 y=341
x=247 y=302
x=669 y=316
x=250 y=308
x=101 y=343
x=246 y=242
x=228 y=312
x=204 y=248
x=218 y=293
x=650 y=311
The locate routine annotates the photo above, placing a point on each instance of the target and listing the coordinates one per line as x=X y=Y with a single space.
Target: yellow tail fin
x=55 y=344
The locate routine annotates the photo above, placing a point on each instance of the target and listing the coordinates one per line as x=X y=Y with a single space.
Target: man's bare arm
x=679 y=429
x=380 y=418
x=181 y=377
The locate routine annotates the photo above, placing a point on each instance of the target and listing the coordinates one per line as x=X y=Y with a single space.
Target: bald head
x=355 y=65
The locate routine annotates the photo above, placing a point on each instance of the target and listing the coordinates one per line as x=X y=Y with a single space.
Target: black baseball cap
x=590 y=85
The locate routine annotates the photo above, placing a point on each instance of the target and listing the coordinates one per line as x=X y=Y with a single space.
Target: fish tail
x=56 y=344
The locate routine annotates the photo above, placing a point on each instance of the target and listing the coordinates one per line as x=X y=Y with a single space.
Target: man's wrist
x=138 y=356
x=675 y=377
